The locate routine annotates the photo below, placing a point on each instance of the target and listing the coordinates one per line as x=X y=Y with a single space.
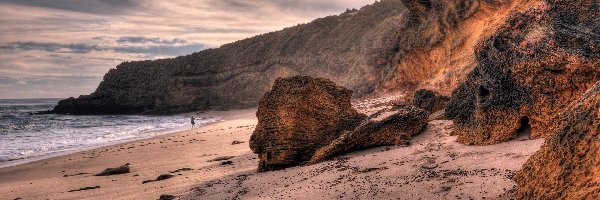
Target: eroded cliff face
x=567 y=167
x=392 y=46
x=436 y=51
x=535 y=65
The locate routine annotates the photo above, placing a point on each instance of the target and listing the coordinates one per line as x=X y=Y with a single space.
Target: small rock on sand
x=85 y=188
x=229 y=162
x=162 y=177
x=123 y=169
x=166 y=197
x=222 y=158
x=237 y=142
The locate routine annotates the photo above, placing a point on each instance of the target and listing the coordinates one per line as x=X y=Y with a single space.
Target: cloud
x=56 y=86
x=135 y=44
x=104 y=7
x=142 y=39
x=50 y=47
x=314 y=5
x=162 y=49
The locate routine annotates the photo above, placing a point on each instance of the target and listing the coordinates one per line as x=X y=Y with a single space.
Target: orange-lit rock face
x=536 y=64
x=437 y=46
x=304 y=120
x=298 y=116
x=567 y=166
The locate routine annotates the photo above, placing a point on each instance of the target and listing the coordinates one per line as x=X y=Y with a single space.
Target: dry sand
x=433 y=166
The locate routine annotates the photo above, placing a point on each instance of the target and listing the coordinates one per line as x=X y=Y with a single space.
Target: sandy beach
x=433 y=166
x=53 y=178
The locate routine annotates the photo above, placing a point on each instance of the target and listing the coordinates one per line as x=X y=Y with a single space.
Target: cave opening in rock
x=483 y=92
x=524 y=131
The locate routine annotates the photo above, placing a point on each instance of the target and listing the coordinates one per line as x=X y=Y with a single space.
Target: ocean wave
x=24 y=136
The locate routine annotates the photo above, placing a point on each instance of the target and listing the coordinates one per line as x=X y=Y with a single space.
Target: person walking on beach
x=193 y=123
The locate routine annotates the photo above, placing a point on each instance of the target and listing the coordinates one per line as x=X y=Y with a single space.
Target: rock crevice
x=567 y=167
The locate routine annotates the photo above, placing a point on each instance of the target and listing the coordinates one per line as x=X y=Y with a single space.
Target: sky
x=63 y=48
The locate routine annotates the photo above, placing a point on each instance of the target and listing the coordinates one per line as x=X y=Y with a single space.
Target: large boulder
x=393 y=126
x=304 y=120
x=430 y=101
x=568 y=165
x=299 y=115
x=535 y=65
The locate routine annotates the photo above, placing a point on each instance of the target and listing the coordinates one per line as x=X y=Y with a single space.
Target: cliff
x=536 y=64
x=391 y=46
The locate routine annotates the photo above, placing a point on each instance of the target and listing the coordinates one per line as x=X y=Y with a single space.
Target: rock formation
x=298 y=116
x=394 y=126
x=303 y=120
x=381 y=48
x=567 y=166
x=536 y=64
x=430 y=101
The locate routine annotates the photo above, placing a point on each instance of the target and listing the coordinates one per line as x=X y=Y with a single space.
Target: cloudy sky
x=62 y=48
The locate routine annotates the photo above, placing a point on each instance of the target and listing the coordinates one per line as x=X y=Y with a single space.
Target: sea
x=27 y=137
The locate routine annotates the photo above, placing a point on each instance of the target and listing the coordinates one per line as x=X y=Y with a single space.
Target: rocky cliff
x=535 y=65
x=391 y=46
x=567 y=165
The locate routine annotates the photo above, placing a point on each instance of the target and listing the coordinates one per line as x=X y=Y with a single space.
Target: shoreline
x=66 y=152
x=76 y=168
x=216 y=115
x=220 y=116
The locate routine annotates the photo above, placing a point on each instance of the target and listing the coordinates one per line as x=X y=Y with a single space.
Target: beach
x=432 y=166
x=53 y=178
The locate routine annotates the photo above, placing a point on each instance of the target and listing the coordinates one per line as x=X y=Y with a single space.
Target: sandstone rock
x=299 y=115
x=567 y=166
x=305 y=121
x=388 y=127
x=430 y=101
x=536 y=64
